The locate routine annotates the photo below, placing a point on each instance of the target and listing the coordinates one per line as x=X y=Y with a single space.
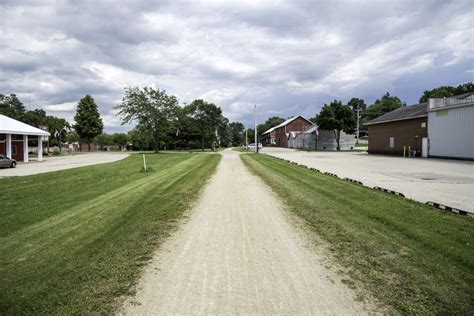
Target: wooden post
x=144 y=162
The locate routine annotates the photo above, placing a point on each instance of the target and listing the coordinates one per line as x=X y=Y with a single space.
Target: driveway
x=449 y=182
x=56 y=163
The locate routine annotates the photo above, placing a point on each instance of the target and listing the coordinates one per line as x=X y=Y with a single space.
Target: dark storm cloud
x=289 y=57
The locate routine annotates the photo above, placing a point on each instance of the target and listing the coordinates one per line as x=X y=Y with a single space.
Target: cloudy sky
x=288 y=57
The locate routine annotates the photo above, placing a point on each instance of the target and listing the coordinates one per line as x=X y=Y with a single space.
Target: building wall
x=2 y=144
x=297 y=125
x=17 y=146
x=451 y=132
x=327 y=141
x=404 y=133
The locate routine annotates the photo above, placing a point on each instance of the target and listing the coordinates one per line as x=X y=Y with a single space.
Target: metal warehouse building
x=451 y=127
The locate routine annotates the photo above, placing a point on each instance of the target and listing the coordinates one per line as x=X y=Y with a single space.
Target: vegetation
x=447 y=91
x=337 y=117
x=414 y=258
x=88 y=122
x=163 y=124
x=385 y=104
x=73 y=241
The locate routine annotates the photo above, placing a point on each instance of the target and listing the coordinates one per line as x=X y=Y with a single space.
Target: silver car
x=6 y=162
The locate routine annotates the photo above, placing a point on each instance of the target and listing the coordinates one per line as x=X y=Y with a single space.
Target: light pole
x=255 y=119
x=357 y=123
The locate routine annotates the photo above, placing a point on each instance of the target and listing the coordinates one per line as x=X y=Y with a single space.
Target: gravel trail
x=238 y=253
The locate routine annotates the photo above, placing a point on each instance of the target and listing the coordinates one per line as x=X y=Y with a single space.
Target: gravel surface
x=56 y=163
x=239 y=253
x=446 y=181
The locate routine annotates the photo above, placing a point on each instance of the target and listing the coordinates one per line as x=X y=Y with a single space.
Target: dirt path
x=239 y=254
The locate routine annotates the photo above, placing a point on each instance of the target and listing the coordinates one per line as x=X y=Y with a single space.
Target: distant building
x=278 y=135
x=14 y=139
x=316 y=139
x=451 y=127
x=441 y=127
x=403 y=127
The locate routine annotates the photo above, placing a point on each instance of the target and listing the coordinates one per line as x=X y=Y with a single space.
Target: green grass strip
x=413 y=258
x=73 y=241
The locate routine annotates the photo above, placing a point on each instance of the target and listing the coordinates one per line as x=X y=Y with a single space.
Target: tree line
x=162 y=123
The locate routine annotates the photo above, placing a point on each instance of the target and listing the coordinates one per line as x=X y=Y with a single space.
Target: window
x=423 y=124
x=14 y=150
x=442 y=113
x=392 y=142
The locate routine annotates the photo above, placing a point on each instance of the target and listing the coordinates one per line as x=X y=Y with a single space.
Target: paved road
x=239 y=254
x=56 y=163
x=445 y=181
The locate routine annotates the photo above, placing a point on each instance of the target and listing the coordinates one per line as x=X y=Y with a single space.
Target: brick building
x=403 y=127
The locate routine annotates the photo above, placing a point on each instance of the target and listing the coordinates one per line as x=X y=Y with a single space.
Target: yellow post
x=404 y=151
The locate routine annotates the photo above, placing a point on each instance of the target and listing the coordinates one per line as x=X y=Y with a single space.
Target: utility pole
x=256 y=132
x=246 y=139
x=357 y=123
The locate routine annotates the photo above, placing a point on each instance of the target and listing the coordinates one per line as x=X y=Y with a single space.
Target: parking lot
x=56 y=163
x=444 y=181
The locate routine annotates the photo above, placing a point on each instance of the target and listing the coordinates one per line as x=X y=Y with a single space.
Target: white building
x=14 y=139
x=451 y=127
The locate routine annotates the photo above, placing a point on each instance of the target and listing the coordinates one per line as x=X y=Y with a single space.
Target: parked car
x=6 y=162
x=252 y=146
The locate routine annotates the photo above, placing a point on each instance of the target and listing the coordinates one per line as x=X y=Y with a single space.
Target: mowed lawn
x=413 y=258
x=73 y=241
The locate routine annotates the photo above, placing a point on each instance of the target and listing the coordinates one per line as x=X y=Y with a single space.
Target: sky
x=287 y=57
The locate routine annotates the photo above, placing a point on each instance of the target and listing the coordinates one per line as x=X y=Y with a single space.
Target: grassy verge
x=413 y=258
x=73 y=241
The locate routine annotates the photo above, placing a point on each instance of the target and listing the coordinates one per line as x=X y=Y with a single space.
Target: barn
x=14 y=139
x=280 y=134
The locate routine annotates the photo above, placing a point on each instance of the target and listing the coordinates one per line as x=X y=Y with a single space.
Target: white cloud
x=286 y=56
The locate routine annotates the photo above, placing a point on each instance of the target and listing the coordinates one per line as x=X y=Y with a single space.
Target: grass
x=73 y=241
x=412 y=258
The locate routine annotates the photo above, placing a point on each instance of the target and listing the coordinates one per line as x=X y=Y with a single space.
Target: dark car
x=6 y=162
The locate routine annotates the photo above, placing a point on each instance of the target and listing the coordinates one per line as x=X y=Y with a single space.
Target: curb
x=389 y=191
x=448 y=208
x=353 y=181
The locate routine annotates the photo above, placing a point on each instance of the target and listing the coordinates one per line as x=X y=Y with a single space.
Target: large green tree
x=447 y=91
x=120 y=139
x=337 y=117
x=206 y=117
x=88 y=122
x=154 y=111
x=385 y=104
x=237 y=130
x=12 y=107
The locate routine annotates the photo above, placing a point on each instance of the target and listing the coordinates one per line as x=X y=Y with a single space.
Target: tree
x=103 y=140
x=381 y=106
x=337 y=117
x=355 y=103
x=88 y=122
x=11 y=106
x=446 y=91
x=237 y=131
x=120 y=139
x=269 y=123
x=224 y=132
x=153 y=110
x=140 y=139
x=206 y=117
